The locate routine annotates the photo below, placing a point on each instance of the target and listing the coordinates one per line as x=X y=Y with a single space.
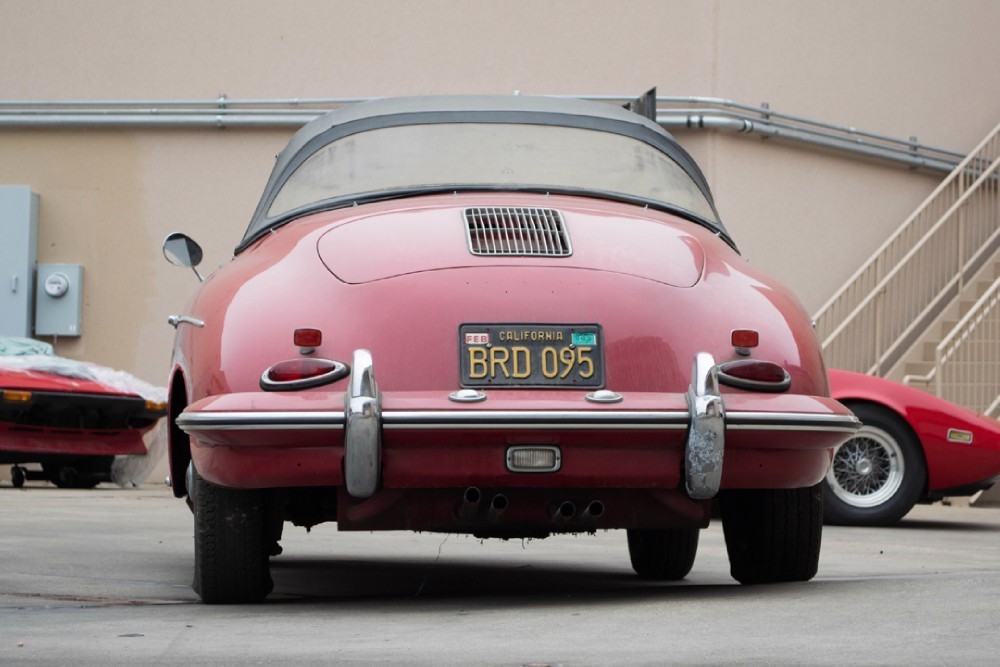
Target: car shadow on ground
x=956 y=526
x=482 y=585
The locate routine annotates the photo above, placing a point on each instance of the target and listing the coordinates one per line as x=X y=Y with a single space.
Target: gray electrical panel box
x=18 y=256
x=59 y=301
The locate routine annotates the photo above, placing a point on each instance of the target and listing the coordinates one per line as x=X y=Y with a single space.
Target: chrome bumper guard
x=362 y=429
x=705 y=443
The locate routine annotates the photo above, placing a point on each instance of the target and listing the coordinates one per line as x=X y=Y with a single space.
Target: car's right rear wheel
x=663 y=555
x=772 y=535
x=230 y=544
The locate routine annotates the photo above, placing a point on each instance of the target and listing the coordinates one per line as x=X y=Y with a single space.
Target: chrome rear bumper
x=368 y=413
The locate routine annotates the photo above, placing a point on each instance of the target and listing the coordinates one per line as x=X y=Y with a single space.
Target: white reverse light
x=533 y=459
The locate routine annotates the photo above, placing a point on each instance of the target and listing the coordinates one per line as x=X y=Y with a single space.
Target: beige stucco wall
x=108 y=197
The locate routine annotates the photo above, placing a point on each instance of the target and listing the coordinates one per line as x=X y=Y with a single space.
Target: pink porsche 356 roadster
x=501 y=316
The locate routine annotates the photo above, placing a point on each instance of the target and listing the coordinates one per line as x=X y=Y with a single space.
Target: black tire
x=772 y=535
x=66 y=477
x=663 y=555
x=18 y=476
x=878 y=475
x=83 y=473
x=230 y=544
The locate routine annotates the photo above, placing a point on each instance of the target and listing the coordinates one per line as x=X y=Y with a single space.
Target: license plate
x=531 y=355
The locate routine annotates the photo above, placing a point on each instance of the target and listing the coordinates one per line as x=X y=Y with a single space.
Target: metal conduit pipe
x=766 y=114
x=155 y=120
x=292 y=113
x=743 y=125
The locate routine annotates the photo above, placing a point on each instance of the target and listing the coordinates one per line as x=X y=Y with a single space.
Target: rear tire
x=663 y=555
x=773 y=535
x=876 y=476
x=230 y=545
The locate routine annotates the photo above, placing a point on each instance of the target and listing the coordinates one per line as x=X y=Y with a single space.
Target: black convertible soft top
x=431 y=110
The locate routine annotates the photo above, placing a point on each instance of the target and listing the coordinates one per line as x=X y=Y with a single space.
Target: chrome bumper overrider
x=362 y=429
x=705 y=442
x=363 y=419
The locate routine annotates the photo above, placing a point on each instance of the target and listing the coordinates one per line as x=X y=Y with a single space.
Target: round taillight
x=754 y=375
x=302 y=373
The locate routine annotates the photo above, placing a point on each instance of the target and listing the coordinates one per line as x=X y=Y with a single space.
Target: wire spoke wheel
x=868 y=469
x=878 y=475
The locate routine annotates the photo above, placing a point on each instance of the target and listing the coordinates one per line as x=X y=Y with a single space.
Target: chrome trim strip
x=540 y=419
x=478 y=419
x=261 y=421
x=791 y=421
x=486 y=419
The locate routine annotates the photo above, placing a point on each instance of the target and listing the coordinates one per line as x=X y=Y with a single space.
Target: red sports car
x=913 y=447
x=502 y=316
x=83 y=423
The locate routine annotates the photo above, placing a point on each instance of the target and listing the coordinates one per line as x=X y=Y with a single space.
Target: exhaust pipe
x=593 y=511
x=469 y=507
x=565 y=512
x=498 y=506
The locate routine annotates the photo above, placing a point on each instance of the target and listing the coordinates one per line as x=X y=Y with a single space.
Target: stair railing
x=877 y=315
x=967 y=361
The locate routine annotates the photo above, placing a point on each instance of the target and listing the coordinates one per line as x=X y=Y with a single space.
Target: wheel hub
x=863 y=467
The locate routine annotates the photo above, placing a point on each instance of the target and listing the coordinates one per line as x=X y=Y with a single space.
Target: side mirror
x=182 y=250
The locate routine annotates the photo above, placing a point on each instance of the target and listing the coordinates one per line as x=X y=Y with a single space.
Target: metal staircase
x=946 y=252
x=962 y=362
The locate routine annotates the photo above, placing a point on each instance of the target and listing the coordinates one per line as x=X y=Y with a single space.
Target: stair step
x=927 y=387
x=919 y=367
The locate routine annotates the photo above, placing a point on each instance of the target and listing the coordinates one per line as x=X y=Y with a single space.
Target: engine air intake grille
x=501 y=231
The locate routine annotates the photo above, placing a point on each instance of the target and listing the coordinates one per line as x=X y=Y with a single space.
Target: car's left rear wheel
x=663 y=555
x=231 y=547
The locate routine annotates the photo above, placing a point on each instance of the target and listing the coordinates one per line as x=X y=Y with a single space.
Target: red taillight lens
x=299 y=369
x=307 y=337
x=754 y=375
x=302 y=373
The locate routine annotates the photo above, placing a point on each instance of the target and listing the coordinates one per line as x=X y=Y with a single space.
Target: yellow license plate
x=531 y=355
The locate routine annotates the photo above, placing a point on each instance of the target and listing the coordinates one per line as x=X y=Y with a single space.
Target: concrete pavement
x=103 y=576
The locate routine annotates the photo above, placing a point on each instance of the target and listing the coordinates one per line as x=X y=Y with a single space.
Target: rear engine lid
x=414 y=240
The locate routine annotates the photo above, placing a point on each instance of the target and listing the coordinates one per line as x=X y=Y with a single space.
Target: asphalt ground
x=102 y=577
